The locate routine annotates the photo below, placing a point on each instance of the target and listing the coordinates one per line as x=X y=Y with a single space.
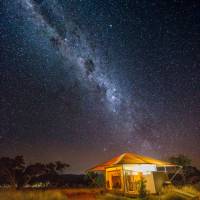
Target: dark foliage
x=11 y=169
x=64 y=180
x=180 y=160
x=16 y=174
x=192 y=174
x=96 y=179
x=142 y=188
x=189 y=175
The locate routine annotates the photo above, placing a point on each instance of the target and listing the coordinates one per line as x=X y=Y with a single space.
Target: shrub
x=142 y=188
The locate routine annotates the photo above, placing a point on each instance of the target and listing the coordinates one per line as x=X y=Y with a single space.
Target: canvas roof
x=130 y=158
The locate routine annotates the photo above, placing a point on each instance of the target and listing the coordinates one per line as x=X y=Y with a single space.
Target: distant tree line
x=15 y=173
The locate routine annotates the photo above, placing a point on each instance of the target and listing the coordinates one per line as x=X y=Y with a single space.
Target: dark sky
x=82 y=81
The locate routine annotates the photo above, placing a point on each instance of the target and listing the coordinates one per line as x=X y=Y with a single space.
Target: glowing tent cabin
x=123 y=173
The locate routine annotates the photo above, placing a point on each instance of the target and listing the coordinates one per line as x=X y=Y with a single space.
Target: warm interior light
x=144 y=168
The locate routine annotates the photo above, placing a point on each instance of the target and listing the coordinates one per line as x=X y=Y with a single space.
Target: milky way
x=86 y=78
x=74 y=47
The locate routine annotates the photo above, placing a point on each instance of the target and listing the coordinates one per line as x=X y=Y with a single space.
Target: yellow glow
x=144 y=168
x=146 y=173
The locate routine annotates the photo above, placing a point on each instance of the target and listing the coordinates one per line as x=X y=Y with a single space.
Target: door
x=132 y=182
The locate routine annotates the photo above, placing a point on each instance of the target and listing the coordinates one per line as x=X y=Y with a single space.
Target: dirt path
x=83 y=196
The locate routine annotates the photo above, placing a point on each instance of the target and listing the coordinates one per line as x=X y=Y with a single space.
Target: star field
x=87 y=78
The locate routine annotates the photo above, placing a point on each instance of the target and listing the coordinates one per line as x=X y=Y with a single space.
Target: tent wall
x=150 y=183
x=125 y=178
x=159 y=179
x=121 y=179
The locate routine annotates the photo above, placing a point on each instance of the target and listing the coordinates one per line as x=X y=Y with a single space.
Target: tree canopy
x=181 y=160
x=15 y=172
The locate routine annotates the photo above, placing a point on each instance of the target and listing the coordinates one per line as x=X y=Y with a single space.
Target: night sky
x=84 y=80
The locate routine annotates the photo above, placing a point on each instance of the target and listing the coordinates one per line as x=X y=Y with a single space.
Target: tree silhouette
x=31 y=171
x=184 y=162
x=10 y=168
x=15 y=173
x=180 y=160
x=60 y=166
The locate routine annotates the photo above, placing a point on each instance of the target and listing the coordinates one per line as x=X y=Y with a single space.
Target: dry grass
x=197 y=187
x=32 y=195
x=168 y=193
x=82 y=190
x=190 y=189
x=170 y=196
x=82 y=193
x=113 y=197
x=193 y=190
x=180 y=193
x=90 y=194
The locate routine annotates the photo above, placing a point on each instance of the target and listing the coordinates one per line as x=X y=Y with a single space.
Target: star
x=69 y=83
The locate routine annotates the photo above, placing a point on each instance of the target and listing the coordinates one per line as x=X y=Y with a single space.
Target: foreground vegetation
x=168 y=197
x=170 y=193
x=32 y=195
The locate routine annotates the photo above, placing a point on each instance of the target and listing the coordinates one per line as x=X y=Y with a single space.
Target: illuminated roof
x=129 y=158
